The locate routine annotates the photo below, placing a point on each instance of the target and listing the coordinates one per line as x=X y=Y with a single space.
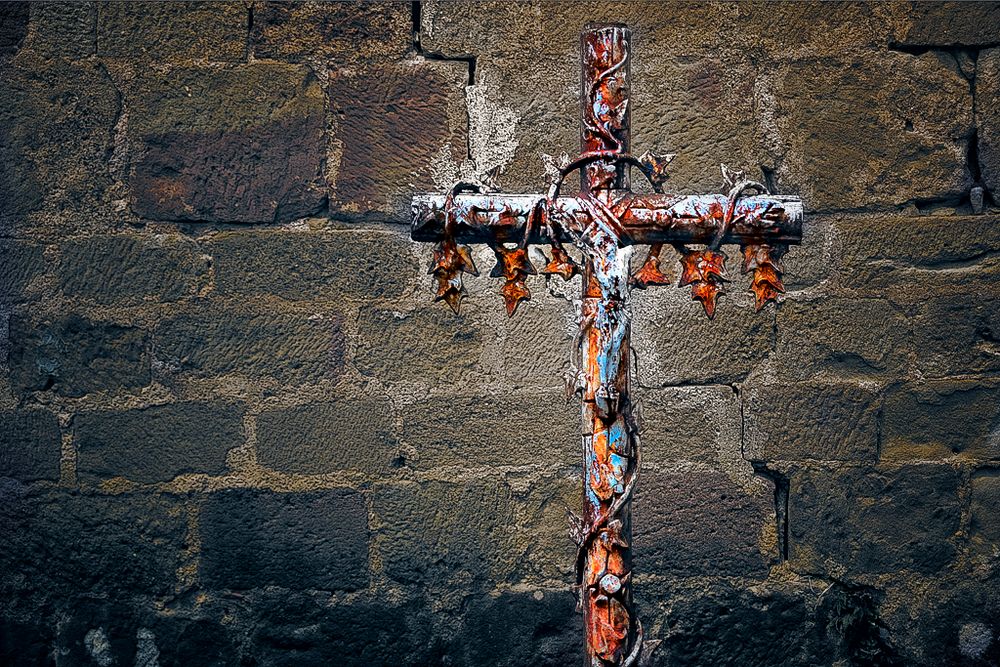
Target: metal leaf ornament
x=561 y=264
x=763 y=261
x=650 y=272
x=450 y=261
x=705 y=271
x=514 y=266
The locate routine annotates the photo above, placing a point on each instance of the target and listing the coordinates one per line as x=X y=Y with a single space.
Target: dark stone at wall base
x=30 y=445
x=13 y=26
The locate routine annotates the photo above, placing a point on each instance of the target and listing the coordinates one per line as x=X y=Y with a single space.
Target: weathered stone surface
x=537 y=342
x=173 y=31
x=479 y=431
x=30 y=445
x=307 y=266
x=131 y=270
x=985 y=523
x=841 y=338
x=240 y=144
x=988 y=119
x=217 y=338
x=20 y=263
x=818 y=127
x=13 y=26
x=540 y=514
x=950 y=24
x=942 y=418
x=700 y=524
x=339 y=32
x=445 y=534
x=431 y=344
x=690 y=423
x=72 y=355
x=157 y=443
x=25 y=644
x=346 y=434
x=859 y=521
x=294 y=540
x=60 y=545
x=55 y=136
x=66 y=29
x=811 y=421
x=956 y=335
x=677 y=344
x=390 y=123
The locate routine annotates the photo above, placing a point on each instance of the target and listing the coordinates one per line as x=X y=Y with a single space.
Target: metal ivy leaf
x=514 y=266
x=650 y=272
x=450 y=261
x=763 y=261
x=561 y=264
x=705 y=271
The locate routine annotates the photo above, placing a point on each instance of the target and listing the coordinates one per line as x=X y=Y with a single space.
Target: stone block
x=13 y=26
x=73 y=355
x=20 y=263
x=950 y=24
x=63 y=29
x=988 y=119
x=811 y=421
x=172 y=31
x=985 y=524
x=312 y=540
x=157 y=443
x=954 y=335
x=239 y=144
x=30 y=445
x=390 y=124
x=537 y=628
x=318 y=438
x=851 y=522
x=690 y=424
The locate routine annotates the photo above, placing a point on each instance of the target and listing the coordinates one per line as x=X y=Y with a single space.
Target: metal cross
x=604 y=221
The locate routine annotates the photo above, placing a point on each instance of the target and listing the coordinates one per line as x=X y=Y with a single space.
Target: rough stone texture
x=66 y=29
x=500 y=431
x=219 y=338
x=943 y=418
x=811 y=421
x=701 y=524
x=55 y=137
x=20 y=263
x=347 y=434
x=173 y=31
x=988 y=119
x=985 y=526
x=951 y=24
x=30 y=445
x=158 y=443
x=858 y=521
x=690 y=424
x=294 y=540
x=123 y=269
x=390 y=123
x=239 y=144
x=13 y=26
x=957 y=332
x=341 y=32
x=73 y=355
x=321 y=266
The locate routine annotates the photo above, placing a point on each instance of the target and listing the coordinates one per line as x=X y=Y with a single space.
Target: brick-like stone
x=72 y=355
x=157 y=443
x=313 y=540
x=537 y=628
x=677 y=344
x=536 y=344
x=217 y=338
x=172 y=31
x=63 y=29
x=339 y=32
x=701 y=524
x=30 y=445
x=13 y=26
x=689 y=423
x=985 y=522
x=447 y=534
x=837 y=338
x=390 y=123
x=20 y=263
x=318 y=438
x=313 y=266
x=481 y=431
x=863 y=521
x=988 y=119
x=62 y=544
x=948 y=24
x=431 y=344
x=132 y=270
x=956 y=335
x=240 y=144
x=53 y=153
x=819 y=128
x=942 y=418
x=811 y=421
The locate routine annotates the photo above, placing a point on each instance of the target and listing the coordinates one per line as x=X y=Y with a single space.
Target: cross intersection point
x=604 y=221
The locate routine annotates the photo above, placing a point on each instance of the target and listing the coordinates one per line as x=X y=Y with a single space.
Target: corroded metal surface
x=604 y=222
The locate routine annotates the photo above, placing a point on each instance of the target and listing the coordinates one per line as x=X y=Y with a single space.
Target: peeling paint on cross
x=605 y=221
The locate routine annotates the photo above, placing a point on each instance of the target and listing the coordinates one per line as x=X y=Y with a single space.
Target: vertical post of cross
x=604 y=563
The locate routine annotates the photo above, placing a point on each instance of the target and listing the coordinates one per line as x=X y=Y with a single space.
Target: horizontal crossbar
x=647 y=218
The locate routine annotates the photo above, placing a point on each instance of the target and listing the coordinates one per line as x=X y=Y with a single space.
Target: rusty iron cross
x=605 y=220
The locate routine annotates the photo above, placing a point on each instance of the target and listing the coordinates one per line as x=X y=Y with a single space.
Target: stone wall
x=235 y=429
